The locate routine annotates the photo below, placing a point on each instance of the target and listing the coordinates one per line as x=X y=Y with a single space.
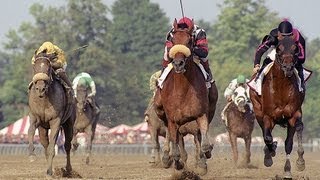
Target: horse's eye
x=236 y=93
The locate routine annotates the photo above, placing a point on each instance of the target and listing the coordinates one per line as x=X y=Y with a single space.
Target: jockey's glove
x=256 y=68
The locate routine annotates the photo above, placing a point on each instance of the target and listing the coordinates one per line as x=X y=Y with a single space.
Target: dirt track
x=137 y=167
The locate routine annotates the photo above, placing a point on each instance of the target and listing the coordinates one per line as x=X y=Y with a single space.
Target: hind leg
x=44 y=140
x=68 y=132
x=300 y=162
x=55 y=127
x=248 y=152
x=234 y=147
x=74 y=141
x=183 y=152
x=90 y=135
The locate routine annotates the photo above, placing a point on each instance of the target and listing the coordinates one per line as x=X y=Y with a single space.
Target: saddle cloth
x=256 y=83
x=167 y=70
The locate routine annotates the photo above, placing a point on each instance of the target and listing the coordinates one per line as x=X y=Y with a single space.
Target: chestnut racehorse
x=185 y=97
x=280 y=103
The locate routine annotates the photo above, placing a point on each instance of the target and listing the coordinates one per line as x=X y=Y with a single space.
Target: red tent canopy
x=141 y=127
x=120 y=129
x=20 y=127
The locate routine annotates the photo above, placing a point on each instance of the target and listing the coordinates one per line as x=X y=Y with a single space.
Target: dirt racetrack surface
x=220 y=167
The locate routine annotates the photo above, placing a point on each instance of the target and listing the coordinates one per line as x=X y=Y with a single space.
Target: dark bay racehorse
x=239 y=120
x=86 y=120
x=280 y=103
x=49 y=109
x=185 y=97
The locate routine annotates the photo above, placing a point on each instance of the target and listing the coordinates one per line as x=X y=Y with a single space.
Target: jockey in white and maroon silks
x=200 y=48
x=285 y=29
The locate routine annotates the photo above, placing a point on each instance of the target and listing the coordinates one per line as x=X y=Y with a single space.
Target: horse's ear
x=175 y=23
x=191 y=27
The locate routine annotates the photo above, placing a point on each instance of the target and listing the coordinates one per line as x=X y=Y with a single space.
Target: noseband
x=184 y=48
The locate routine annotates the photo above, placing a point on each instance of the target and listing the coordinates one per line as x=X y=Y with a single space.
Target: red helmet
x=186 y=21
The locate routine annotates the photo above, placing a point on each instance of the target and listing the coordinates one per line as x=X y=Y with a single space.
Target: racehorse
x=86 y=120
x=158 y=128
x=280 y=103
x=49 y=109
x=239 y=121
x=185 y=97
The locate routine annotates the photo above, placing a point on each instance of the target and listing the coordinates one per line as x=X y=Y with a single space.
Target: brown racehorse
x=280 y=103
x=239 y=120
x=158 y=128
x=86 y=120
x=185 y=97
x=49 y=109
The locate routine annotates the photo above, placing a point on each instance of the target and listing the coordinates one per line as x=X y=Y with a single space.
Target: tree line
x=125 y=46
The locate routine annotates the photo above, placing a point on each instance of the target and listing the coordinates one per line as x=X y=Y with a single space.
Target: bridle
x=284 y=54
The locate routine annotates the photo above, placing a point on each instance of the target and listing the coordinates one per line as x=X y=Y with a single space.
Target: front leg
x=55 y=127
x=31 y=133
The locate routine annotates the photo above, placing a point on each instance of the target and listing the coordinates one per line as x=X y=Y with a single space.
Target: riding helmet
x=285 y=28
x=241 y=79
x=46 y=46
x=185 y=21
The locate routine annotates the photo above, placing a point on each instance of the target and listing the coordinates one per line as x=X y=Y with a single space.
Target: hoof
x=178 y=165
x=32 y=158
x=87 y=161
x=268 y=160
x=49 y=172
x=301 y=164
x=287 y=175
x=167 y=161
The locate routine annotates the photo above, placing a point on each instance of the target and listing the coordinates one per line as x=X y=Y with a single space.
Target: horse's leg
x=247 y=140
x=288 y=148
x=31 y=132
x=166 y=159
x=55 y=127
x=270 y=148
x=68 y=134
x=174 y=138
x=90 y=135
x=197 y=142
x=153 y=134
x=44 y=140
x=204 y=126
x=300 y=162
x=234 y=147
x=74 y=141
x=183 y=152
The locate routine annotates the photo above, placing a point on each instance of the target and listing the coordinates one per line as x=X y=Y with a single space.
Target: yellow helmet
x=48 y=46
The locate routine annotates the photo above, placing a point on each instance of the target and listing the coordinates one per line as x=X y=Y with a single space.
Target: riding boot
x=92 y=101
x=208 y=70
x=63 y=75
x=299 y=68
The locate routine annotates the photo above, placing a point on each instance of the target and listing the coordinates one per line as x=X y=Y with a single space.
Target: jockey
x=153 y=81
x=239 y=81
x=85 y=79
x=200 y=48
x=59 y=64
x=271 y=40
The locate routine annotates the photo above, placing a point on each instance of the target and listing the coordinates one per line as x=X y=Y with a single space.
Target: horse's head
x=82 y=98
x=182 y=40
x=286 y=56
x=42 y=73
x=240 y=98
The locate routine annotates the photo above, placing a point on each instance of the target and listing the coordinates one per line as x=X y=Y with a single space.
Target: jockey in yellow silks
x=59 y=64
